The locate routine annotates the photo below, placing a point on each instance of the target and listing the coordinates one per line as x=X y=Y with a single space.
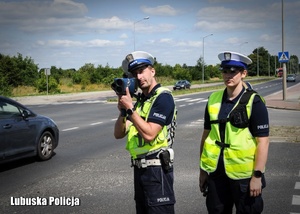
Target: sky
x=70 y=33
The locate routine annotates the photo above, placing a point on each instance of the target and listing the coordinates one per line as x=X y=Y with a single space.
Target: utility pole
x=145 y=18
x=283 y=64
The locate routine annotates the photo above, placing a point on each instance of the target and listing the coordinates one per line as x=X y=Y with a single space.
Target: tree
x=17 y=71
x=260 y=56
x=41 y=84
x=163 y=70
x=181 y=73
x=293 y=65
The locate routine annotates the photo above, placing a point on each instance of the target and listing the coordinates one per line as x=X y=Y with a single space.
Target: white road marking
x=183 y=99
x=69 y=129
x=296 y=200
x=194 y=100
x=79 y=102
x=202 y=101
x=196 y=123
x=97 y=123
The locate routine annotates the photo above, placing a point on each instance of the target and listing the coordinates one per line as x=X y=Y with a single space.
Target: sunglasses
x=231 y=70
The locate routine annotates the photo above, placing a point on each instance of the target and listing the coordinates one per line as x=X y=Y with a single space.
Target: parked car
x=291 y=78
x=182 y=84
x=24 y=133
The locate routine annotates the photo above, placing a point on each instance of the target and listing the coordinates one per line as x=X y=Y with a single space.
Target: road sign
x=47 y=71
x=283 y=56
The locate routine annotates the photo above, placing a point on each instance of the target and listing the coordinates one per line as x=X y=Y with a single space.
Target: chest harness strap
x=237 y=117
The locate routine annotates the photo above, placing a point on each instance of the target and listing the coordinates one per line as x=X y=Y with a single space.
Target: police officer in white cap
x=234 y=143
x=150 y=128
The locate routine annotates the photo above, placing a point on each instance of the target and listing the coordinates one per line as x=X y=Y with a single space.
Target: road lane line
x=194 y=100
x=202 y=101
x=296 y=200
x=182 y=99
x=97 y=123
x=69 y=129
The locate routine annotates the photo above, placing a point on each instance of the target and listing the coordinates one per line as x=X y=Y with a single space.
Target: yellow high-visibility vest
x=136 y=144
x=239 y=157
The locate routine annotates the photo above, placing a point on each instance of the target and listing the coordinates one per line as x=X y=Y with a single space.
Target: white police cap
x=136 y=60
x=234 y=59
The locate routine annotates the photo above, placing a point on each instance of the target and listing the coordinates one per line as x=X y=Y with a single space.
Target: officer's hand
x=255 y=186
x=203 y=176
x=120 y=105
x=125 y=101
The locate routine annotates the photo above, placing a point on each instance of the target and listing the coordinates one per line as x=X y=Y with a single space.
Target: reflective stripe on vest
x=135 y=143
x=239 y=156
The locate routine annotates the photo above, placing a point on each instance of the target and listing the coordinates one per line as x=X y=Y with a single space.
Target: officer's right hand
x=203 y=176
x=125 y=101
x=120 y=106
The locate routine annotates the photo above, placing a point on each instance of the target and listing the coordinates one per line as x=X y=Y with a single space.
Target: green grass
x=66 y=86
x=206 y=88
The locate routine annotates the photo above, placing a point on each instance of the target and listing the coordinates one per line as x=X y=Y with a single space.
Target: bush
x=41 y=84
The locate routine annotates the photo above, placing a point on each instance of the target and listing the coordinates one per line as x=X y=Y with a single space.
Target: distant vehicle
x=182 y=84
x=24 y=133
x=291 y=78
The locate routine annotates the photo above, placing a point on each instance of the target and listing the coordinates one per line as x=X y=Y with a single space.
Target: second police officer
x=234 y=143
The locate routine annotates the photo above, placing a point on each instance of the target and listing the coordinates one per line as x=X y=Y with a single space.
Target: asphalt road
x=91 y=172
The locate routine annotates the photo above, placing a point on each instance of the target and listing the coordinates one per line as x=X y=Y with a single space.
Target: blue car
x=24 y=133
x=182 y=84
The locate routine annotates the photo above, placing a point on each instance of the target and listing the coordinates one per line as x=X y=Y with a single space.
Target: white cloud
x=12 y=12
x=227 y=25
x=76 y=44
x=123 y=36
x=49 y=28
x=64 y=43
x=163 y=10
x=103 y=43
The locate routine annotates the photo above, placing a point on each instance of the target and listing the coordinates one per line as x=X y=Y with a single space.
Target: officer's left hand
x=203 y=176
x=255 y=186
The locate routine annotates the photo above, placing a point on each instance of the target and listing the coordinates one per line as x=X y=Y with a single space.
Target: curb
x=276 y=139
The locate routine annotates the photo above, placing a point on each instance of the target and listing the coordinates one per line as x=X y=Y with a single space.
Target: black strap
x=246 y=97
x=224 y=120
x=222 y=145
x=242 y=102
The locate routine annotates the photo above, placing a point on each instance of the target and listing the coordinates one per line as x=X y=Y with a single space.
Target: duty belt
x=143 y=163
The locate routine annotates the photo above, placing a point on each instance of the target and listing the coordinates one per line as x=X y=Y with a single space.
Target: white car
x=291 y=78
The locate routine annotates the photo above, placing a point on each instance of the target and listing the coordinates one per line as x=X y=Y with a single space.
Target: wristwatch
x=257 y=173
x=130 y=111
x=123 y=112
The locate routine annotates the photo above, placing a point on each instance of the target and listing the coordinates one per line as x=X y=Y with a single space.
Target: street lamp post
x=203 y=56
x=283 y=64
x=269 y=64
x=257 y=63
x=134 y=29
x=241 y=46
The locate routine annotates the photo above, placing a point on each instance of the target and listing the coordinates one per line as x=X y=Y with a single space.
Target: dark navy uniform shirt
x=162 y=109
x=259 y=119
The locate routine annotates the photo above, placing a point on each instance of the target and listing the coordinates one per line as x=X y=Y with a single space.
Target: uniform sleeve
x=259 y=120
x=206 y=119
x=162 y=110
